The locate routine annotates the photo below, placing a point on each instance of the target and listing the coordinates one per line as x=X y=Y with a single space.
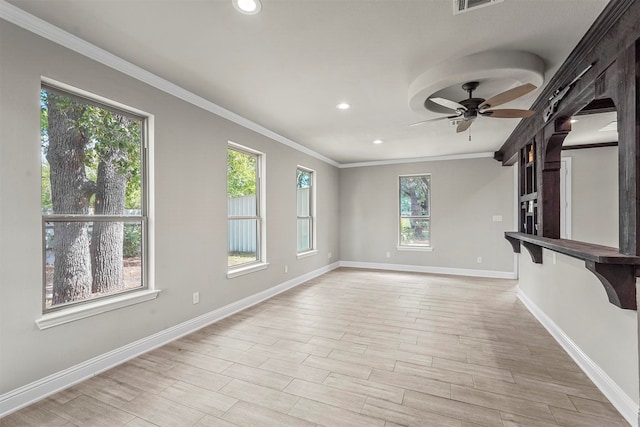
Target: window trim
x=125 y=219
x=312 y=250
x=406 y=247
x=95 y=306
x=82 y=309
x=261 y=248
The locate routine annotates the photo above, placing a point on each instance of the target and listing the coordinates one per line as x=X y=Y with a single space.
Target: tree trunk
x=416 y=209
x=70 y=193
x=108 y=237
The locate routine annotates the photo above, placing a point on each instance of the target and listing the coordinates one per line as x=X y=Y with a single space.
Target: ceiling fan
x=469 y=109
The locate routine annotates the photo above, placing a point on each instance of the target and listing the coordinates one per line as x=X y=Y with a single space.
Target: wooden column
x=549 y=163
x=628 y=103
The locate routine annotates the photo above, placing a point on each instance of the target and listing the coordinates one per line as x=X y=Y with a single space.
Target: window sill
x=307 y=254
x=82 y=311
x=246 y=270
x=415 y=248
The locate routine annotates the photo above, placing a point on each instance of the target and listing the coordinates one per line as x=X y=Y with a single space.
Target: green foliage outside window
x=241 y=174
x=92 y=164
x=415 y=210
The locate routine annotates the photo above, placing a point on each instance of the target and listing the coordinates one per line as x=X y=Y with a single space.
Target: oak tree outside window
x=415 y=211
x=305 y=209
x=244 y=207
x=93 y=199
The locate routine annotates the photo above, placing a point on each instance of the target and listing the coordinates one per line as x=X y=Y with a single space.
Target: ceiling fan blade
x=433 y=120
x=508 y=95
x=463 y=125
x=508 y=113
x=452 y=105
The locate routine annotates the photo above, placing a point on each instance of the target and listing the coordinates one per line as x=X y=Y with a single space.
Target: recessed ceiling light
x=343 y=106
x=248 y=7
x=377 y=141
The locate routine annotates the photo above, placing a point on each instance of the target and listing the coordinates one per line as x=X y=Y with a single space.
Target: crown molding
x=29 y=22
x=416 y=160
x=42 y=28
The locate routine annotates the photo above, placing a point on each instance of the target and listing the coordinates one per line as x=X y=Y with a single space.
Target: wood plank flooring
x=350 y=348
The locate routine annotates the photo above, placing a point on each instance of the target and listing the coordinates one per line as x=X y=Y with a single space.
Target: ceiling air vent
x=460 y=6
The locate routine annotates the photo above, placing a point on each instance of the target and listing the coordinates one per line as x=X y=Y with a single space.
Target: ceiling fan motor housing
x=471 y=104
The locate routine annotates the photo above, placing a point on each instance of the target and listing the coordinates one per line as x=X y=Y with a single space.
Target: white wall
x=571 y=296
x=576 y=302
x=190 y=212
x=356 y=221
x=594 y=195
x=465 y=195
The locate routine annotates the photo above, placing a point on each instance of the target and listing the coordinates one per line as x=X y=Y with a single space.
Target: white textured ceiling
x=287 y=67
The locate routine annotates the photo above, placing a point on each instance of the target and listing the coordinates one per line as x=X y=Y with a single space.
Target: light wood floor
x=350 y=348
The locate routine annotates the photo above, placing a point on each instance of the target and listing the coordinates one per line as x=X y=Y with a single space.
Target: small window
x=415 y=211
x=94 y=217
x=305 y=202
x=245 y=227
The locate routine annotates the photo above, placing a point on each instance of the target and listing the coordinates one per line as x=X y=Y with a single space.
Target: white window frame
x=405 y=247
x=312 y=214
x=82 y=309
x=261 y=246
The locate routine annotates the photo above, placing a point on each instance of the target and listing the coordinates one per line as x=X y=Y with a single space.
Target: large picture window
x=415 y=211
x=245 y=228
x=305 y=206
x=93 y=199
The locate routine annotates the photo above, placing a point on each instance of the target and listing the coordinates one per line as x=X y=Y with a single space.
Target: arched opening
x=589 y=176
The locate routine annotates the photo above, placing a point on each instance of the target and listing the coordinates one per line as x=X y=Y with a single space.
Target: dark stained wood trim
x=581 y=250
x=601 y=73
x=628 y=103
x=615 y=29
x=549 y=158
x=598 y=106
x=619 y=282
x=535 y=251
x=585 y=146
x=620 y=83
x=616 y=271
x=515 y=243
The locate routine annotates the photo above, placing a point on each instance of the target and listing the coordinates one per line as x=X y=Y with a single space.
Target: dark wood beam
x=549 y=162
x=615 y=29
x=629 y=149
x=620 y=83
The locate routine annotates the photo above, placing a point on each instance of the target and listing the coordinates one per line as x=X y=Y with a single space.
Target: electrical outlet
x=479 y=260
x=329 y=255
x=554 y=258
x=196 y=297
x=388 y=254
x=497 y=218
x=286 y=268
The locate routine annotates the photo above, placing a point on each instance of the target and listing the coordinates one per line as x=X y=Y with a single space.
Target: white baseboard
x=618 y=398
x=31 y=393
x=429 y=269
